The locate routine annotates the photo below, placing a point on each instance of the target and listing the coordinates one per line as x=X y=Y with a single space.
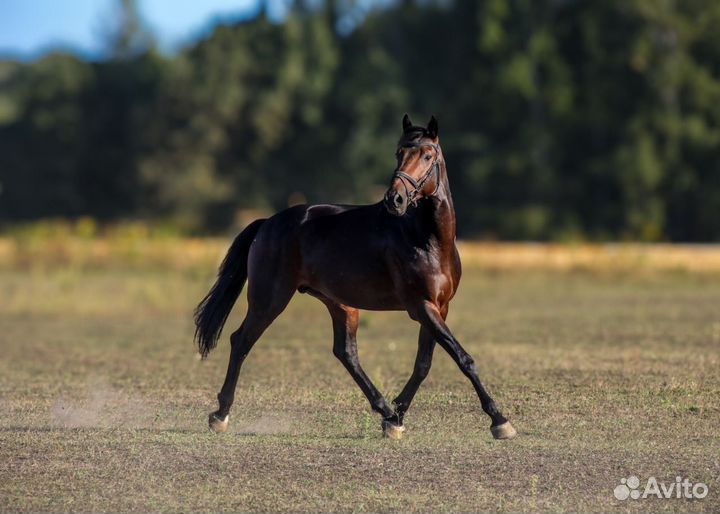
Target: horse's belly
x=356 y=279
x=367 y=299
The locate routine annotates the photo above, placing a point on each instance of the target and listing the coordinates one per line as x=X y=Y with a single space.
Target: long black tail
x=212 y=312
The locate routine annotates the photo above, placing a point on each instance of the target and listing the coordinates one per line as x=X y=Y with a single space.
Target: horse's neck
x=442 y=213
x=445 y=210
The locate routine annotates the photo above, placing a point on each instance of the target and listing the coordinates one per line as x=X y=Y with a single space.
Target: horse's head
x=418 y=166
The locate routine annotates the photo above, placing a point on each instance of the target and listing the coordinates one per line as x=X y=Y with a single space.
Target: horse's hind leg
x=265 y=303
x=345 y=324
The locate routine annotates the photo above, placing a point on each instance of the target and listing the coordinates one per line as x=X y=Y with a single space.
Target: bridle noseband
x=419 y=184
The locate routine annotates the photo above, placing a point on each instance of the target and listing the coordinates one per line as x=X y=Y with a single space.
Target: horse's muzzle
x=395 y=203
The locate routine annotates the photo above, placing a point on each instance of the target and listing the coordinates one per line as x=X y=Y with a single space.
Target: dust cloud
x=102 y=406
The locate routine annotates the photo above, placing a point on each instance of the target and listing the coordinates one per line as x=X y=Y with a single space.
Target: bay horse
x=397 y=254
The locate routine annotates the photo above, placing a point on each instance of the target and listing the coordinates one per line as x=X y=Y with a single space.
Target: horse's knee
x=467 y=363
x=344 y=355
x=347 y=355
x=340 y=353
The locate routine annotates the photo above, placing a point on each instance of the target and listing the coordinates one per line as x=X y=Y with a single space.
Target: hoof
x=392 y=431
x=504 y=431
x=217 y=424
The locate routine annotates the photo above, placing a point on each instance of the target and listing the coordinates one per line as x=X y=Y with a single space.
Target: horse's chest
x=430 y=273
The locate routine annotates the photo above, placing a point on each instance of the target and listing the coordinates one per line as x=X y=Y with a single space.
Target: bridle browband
x=419 y=184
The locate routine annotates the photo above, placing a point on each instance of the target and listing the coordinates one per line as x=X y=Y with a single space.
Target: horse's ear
x=406 y=123
x=432 y=128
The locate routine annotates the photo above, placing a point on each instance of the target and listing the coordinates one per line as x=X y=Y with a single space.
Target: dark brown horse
x=397 y=254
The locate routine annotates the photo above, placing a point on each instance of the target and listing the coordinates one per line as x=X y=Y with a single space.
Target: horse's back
x=318 y=231
x=337 y=251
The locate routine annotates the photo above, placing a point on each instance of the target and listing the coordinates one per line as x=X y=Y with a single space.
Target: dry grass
x=134 y=247
x=112 y=252
x=605 y=375
x=600 y=258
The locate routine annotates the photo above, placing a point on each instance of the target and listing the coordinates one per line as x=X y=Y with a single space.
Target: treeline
x=560 y=119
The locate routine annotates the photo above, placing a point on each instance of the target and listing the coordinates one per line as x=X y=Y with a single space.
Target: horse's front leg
x=429 y=315
x=423 y=362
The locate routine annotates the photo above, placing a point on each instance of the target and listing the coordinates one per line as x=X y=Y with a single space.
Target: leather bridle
x=417 y=185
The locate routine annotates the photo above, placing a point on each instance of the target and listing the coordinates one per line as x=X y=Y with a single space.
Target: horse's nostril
x=398 y=200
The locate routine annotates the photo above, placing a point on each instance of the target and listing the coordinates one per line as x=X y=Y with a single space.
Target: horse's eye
x=428 y=157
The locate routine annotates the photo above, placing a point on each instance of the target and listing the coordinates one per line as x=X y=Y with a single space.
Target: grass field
x=605 y=375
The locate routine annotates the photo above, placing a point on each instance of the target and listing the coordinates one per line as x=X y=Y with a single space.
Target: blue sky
x=29 y=28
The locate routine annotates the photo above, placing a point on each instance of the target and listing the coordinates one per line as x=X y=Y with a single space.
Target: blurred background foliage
x=560 y=119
